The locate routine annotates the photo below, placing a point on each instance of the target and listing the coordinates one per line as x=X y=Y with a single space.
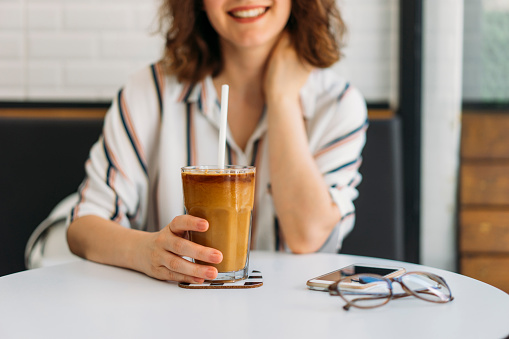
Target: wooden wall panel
x=100 y=112
x=489 y=269
x=81 y=113
x=484 y=184
x=485 y=136
x=485 y=231
x=483 y=221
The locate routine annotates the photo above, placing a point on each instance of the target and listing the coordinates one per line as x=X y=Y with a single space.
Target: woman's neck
x=243 y=68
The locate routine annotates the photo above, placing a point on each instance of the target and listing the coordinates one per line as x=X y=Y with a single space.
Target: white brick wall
x=11 y=15
x=79 y=50
x=44 y=16
x=61 y=45
x=12 y=74
x=371 y=54
x=11 y=45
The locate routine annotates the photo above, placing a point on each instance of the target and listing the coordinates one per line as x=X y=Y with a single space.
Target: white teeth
x=250 y=13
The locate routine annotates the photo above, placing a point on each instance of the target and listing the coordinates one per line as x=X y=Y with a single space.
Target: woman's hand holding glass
x=164 y=252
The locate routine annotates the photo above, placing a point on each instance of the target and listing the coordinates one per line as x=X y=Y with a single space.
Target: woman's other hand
x=285 y=73
x=305 y=220
x=163 y=252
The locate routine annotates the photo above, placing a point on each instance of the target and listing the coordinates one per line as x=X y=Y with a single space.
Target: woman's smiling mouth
x=248 y=13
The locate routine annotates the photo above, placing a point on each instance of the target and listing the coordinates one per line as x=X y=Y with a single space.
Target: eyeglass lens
x=427 y=287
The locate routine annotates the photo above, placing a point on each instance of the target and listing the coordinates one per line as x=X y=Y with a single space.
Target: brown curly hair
x=192 y=48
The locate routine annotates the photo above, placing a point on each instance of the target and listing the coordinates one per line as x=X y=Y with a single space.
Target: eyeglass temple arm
x=353 y=301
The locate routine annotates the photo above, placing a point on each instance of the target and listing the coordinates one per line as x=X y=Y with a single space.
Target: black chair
x=41 y=162
x=378 y=230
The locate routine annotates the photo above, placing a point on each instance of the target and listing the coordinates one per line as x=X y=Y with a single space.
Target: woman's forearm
x=105 y=241
x=158 y=254
x=303 y=204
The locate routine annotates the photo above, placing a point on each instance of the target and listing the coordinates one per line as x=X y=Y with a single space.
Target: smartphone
x=322 y=282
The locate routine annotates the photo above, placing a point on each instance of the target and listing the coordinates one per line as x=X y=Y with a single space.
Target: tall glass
x=224 y=197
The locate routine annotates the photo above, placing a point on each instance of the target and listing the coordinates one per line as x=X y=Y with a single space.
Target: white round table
x=88 y=300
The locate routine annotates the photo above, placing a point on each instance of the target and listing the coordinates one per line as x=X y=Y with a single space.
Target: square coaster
x=253 y=280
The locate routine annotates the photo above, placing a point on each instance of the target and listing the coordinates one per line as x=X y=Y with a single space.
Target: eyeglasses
x=372 y=290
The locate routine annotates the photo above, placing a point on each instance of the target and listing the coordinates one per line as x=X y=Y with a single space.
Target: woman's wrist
x=285 y=113
x=137 y=252
x=106 y=242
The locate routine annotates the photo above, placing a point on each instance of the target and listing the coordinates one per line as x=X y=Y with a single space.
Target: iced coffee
x=224 y=197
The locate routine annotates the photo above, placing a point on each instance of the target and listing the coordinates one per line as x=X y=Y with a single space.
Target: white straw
x=222 y=126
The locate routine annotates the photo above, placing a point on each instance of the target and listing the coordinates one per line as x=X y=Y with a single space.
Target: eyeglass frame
x=334 y=290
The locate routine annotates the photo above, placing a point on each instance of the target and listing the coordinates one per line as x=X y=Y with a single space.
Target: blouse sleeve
x=338 y=156
x=116 y=185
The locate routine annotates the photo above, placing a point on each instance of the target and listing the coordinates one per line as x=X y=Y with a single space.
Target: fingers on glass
x=427 y=286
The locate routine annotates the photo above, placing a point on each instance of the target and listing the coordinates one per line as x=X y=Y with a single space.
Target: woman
x=290 y=116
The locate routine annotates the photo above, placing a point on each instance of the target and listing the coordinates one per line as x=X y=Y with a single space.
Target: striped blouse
x=156 y=125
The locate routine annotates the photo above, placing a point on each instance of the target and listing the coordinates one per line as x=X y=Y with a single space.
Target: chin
x=255 y=41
